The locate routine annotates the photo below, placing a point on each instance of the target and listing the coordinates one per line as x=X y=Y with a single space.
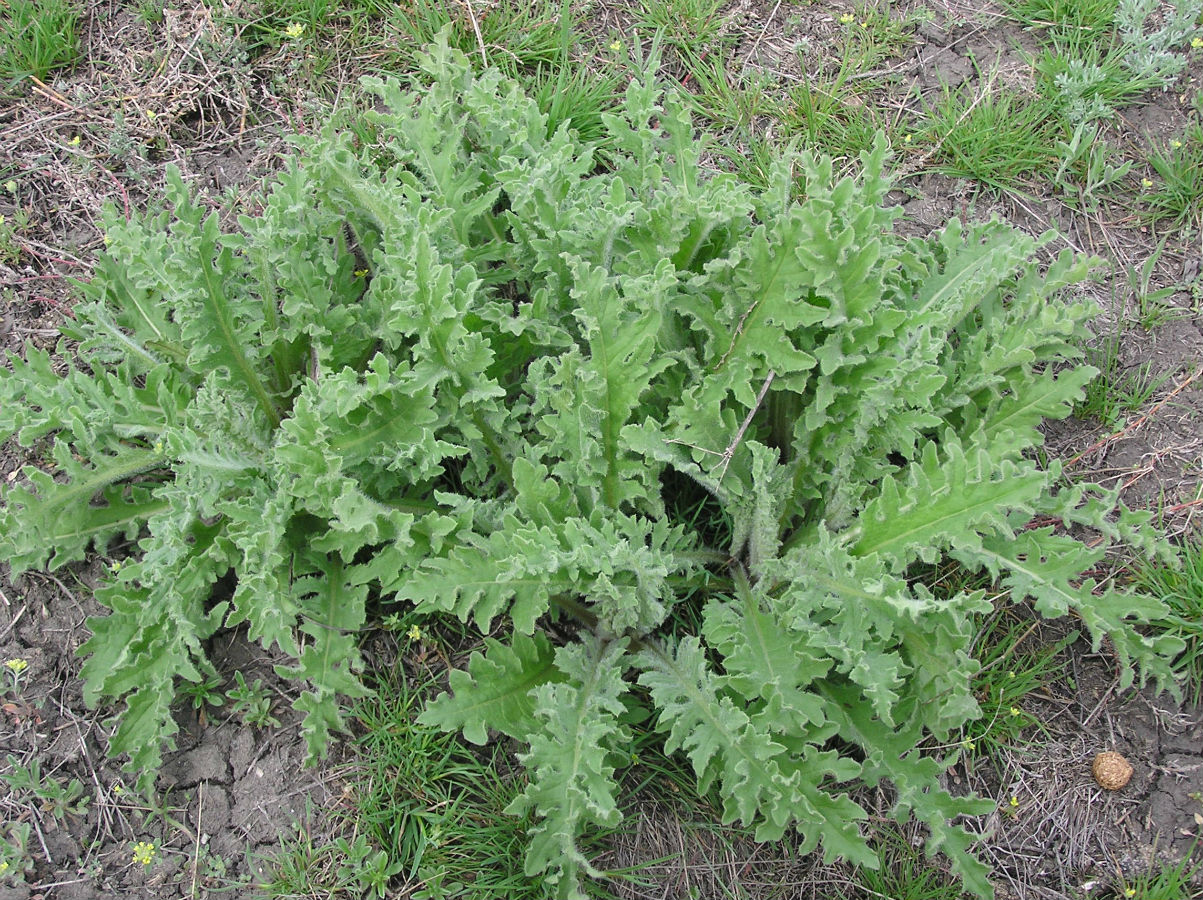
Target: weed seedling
x=252 y=703
x=15 y=861
x=1086 y=168
x=1152 y=306
x=203 y=693
x=51 y=795
x=16 y=672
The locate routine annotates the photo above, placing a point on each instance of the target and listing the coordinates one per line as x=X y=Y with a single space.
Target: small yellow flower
x=1130 y=892
x=847 y=19
x=1014 y=803
x=3 y=866
x=16 y=666
x=1176 y=145
x=1145 y=183
x=150 y=114
x=1197 y=43
x=1011 y=674
x=906 y=139
x=144 y=852
x=969 y=745
x=864 y=23
x=414 y=633
x=1014 y=710
x=115 y=566
x=615 y=46
x=118 y=790
x=295 y=30
x=361 y=273
x=158 y=446
x=107 y=240
x=74 y=142
x=10 y=186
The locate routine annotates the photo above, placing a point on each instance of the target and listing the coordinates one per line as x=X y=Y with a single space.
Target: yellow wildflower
x=16 y=666
x=144 y=852
x=295 y=30
x=414 y=633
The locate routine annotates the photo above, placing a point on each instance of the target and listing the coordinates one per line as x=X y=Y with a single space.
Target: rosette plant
x=675 y=443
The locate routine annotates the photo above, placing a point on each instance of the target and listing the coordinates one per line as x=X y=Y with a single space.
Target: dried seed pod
x=1111 y=770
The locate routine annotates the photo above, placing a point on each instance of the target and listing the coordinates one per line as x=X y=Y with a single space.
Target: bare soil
x=183 y=91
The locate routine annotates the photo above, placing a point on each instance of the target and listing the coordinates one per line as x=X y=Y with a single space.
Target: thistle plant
x=470 y=371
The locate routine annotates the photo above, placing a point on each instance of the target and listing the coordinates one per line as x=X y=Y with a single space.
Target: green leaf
x=58 y=521
x=203 y=279
x=949 y=495
x=761 y=782
x=1047 y=568
x=571 y=783
x=591 y=398
x=764 y=658
x=891 y=754
x=332 y=611
x=497 y=691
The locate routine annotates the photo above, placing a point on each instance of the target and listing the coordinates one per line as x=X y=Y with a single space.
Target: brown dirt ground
x=232 y=791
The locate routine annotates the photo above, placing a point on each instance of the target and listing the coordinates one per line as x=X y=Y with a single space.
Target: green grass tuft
x=1007 y=676
x=36 y=37
x=904 y=873
x=1076 y=21
x=1000 y=138
x=1115 y=392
